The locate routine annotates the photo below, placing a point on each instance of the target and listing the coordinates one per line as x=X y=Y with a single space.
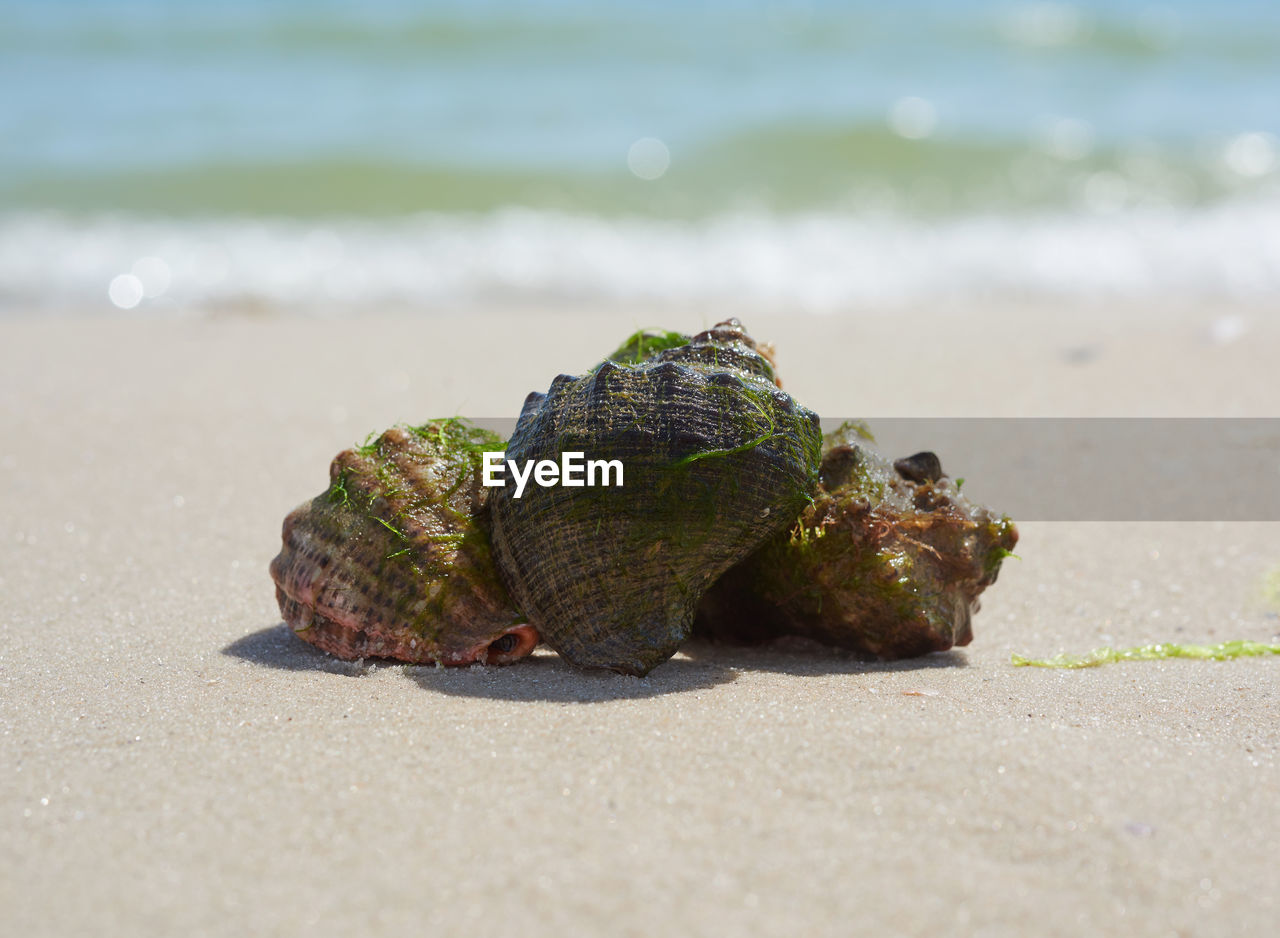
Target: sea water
x=183 y=156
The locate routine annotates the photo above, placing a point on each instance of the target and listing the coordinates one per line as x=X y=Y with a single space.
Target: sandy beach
x=175 y=762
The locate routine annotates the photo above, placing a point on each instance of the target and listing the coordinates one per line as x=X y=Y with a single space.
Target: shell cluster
x=736 y=521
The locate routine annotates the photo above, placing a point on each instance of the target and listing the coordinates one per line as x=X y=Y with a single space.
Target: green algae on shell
x=716 y=460
x=646 y=343
x=888 y=560
x=394 y=560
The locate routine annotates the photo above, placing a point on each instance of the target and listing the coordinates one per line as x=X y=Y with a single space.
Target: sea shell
x=716 y=460
x=393 y=561
x=889 y=560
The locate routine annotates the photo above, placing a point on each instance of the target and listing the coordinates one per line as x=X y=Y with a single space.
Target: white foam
x=814 y=262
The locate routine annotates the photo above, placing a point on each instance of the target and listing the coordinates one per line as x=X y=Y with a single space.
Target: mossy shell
x=393 y=560
x=888 y=560
x=716 y=459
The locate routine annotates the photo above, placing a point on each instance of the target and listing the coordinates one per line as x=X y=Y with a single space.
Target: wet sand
x=176 y=762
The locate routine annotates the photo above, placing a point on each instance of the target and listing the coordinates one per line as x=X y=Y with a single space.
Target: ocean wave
x=816 y=262
x=785 y=167
x=1243 y=29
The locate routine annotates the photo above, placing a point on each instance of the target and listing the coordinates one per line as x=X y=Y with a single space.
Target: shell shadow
x=277 y=647
x=546 y=677
x=805 y=658
x=541 y=677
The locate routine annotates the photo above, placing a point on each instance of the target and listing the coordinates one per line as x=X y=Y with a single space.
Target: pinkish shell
x=393 y=560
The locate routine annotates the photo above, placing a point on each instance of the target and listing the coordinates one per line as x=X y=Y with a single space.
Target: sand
x=174 y=761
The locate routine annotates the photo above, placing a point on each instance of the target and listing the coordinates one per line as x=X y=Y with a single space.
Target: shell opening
x=511 y=645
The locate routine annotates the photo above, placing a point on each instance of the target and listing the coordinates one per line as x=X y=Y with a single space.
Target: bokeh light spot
x=649 y=158
x=125 y=291
x=1251 y=155
x=913 y=118
x=1068 y=139
x=153 y=274
x=1043 y=24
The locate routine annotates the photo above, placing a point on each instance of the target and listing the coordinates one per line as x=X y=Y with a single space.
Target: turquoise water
x=299 y=154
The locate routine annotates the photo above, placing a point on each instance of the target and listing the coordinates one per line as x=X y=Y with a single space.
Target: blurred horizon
x=297 y=154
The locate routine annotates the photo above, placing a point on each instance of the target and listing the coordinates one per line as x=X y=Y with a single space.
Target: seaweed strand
x=1223 y=651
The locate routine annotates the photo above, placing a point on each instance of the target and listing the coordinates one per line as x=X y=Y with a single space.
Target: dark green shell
x=393 y=560
x=889 y=560
x=716 y=460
